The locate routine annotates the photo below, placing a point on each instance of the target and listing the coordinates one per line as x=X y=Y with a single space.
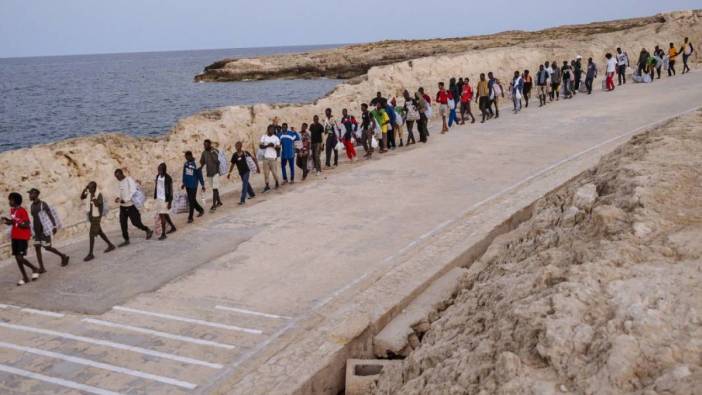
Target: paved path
x=182 y=315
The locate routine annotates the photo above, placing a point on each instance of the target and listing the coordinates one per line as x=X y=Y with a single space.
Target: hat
x=33 y=190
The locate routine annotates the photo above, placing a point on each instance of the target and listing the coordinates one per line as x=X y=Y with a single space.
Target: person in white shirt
x=611 y=69
x=622 y=64
x=163 y=194
x=127 y=210
x=270 y=144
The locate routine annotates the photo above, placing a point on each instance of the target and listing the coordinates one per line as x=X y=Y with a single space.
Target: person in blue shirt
x=287 y=152
x=192 y=175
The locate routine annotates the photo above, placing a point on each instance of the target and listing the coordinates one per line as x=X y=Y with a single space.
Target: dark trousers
x=588 y=85
x=686 y=68
x=391 y=137
x=131 y=213
x=290 y=162
x=578 y=76
x=422 y=128
x=316 y=152
x=484 y=105
x=302 y=164
x=246 y=188
x=671 y=68
x=410 y=133
x=621 y=74
x=192 y=202
x=331 y=149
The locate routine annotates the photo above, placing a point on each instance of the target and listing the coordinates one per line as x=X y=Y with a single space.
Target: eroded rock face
x=603 y=305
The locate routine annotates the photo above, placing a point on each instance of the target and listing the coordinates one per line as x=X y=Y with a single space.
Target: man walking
x=163 y=194
x=442 y=97
x=243 y=160
x=192 y=175
x=95 y=206
x=555 y=81
x=20 y=233
x=210 y=161
x=541 y=83
x=332 y=131
x=622 y=63
x=611 y=68
x=590 y=75
x=367 y=128
x=288 y=138
x=127 y=209
x=270 y=144
x=44 y=226
x=483 y=96
x=316 y=137
x=686 y=50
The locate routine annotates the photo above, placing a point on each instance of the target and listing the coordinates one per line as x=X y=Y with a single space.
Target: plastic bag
x=374 y=142
x=223 y=163
x=180 y=204
x=139 y=197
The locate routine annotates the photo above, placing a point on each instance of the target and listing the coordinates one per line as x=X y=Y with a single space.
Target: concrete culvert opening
x=367 y=370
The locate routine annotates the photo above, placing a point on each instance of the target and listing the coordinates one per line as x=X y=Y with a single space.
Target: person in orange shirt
x=672 y=53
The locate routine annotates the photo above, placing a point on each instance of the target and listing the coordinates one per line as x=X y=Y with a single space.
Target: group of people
x=383 y=121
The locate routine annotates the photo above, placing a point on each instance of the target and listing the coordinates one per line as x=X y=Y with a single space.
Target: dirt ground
x=600 y=292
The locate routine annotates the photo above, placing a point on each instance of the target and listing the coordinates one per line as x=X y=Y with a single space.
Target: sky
x=63 y=27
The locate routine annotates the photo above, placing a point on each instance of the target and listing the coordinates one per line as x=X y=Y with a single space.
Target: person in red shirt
x=20 y=235
x=466 y=97
x=442 y=97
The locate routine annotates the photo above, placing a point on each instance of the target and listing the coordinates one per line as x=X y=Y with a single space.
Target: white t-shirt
x=161 y=188
x=270 y=152
x=622 y=59
x=127 y=188
x=611 y=65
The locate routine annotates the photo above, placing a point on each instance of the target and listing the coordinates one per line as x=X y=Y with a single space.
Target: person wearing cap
x=95 y=207
x=44 y=226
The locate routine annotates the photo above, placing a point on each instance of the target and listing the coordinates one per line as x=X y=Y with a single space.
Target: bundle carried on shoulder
x=223 y=163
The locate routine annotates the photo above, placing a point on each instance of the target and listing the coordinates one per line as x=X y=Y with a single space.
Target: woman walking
x=528 y=83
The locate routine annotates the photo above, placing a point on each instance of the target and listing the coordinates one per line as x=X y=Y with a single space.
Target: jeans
x=686 y=68
x=192 y=202
x=517 y=103
x=410 y=134
x=588 y=84
x=390 y=137
x=131 y=213
x=331 y=149
x=246 y=188
x=290 y=162
x=452 y=117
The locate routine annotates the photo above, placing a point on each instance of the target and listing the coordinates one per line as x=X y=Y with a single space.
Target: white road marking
x=249 y=312
x=56 y=380
x=99 y=365
x=189 y=320
x=33 y=311
x=106 y=343
x=166 y=335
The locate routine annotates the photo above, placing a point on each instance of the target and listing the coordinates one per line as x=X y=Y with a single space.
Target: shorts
x=162 y=206
x=95 y=228
x=444 y=110
x=42 y=240
x=19 y=247
x=213 y=182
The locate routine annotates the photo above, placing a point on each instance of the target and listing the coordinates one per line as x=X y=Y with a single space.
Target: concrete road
x=218 y=300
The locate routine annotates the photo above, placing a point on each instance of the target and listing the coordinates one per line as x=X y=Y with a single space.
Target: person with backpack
x=20 y=233
x=382 y=120
x=210 y=160
x=496 y=91
x=96 y=208
x=411 y=116
x=245 y=163
x=367 y=130
x=192 y=175
x=350 y=127
x=541 y=84
x=127 y=209
x=163 y=194
x=590 y=75
x=332 y=131
x=466 y=98
x=45 y=224
x=686 y=50
x=288 y=138
x=270 y=144
x=622 y=63
x=577 y=73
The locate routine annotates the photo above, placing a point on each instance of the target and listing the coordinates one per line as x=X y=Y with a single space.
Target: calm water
x=45 y=99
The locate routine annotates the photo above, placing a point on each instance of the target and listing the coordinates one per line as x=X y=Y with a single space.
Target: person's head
x=344 y=112
x=516 y=74
x=589 y=60
x=608 y=55
x=619 y=50
x=378 y=95
x=284 y=126
x=526 y=72
x=482 y=76
x=672 y=45
x=119 y=174
x=421 y=90
x=207 y=144
x=441 y=86
x=14 y=199
x=237 y=146
x=92 y=186
x=364 y=107
x=379 y=105
x=490 y=75
x=328 y=112
x=687 y=39
x=466 y=80
x=460 y=80
x=452 y=81
x=565 y=63
x=547 y=63
x=554 y=64
x=270 y=130
x=303 y=127
x=541 y=67
x=162 y=169
x=656 y=48
x=189 y=156
x=406 y=94
x=33 y=194
x=315 y=119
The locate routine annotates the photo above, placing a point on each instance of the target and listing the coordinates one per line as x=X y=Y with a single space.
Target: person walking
x=95 y=208
x=270 y=143
x=350 y=126
x=127 y=209
x=332 y=131
x=316 y=137
x=424 y=109
x=496 y=91
x=590 y=75
x=367 y=130
x=304 y=147
x=611 y=69
x=382 y=120
x=210 y=161
x=411 y=116
x=686 y=50
x=565 y=80
x=245 y=163
x=192 y=175
x=20 y=233
x=643 y=62
x=45 y=226
x=517 y=87
x=442 y=97
x=483 y=97
x=393 y=125
x=549 y=69
x=163 y=195
x=577 y=73
x=622 y=59
x=466 y=98
x=541 y=84
x=528 y=82
x=672 y=54
x=288 y=139
x=556 y=77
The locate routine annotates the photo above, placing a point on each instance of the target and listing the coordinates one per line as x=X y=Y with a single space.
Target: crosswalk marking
x=99 y=365
x=33 y=311
x=55 y=380
x=250 y=312
x=189 y=320
x=110 y=344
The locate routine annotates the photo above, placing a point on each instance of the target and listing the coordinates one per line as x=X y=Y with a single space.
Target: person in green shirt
x=382 y=120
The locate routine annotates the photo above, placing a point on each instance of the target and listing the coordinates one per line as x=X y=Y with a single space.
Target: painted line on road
x=32 y=311
x=106 y=343
x=152 y=332
x=250 y=312
x=99 y=365
x=189 y=320
x=55 y=380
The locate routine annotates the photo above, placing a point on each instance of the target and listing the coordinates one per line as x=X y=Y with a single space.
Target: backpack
x=139 y=197
x=223 y=163
x=45 y=220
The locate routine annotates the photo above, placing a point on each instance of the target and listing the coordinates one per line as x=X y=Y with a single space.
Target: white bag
x=45 y=220
x=223 y=163
x=139 y=198
x=251 y=163
x=339 y=146
x=374 y=142
x=518 y=94
x=180 y=203
x=451 y=104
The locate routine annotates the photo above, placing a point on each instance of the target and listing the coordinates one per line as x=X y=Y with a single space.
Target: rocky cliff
x=63 y=168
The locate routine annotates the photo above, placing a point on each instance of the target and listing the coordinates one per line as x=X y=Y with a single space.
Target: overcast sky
x=59 y=27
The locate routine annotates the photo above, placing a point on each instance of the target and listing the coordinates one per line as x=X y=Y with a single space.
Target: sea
x=47 y=99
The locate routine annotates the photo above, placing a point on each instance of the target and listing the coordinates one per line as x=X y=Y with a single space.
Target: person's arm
x=84 y=194
x=233 y=161
x=182 y=178
x=200 y=179
x=98 y=201
x=202 y=158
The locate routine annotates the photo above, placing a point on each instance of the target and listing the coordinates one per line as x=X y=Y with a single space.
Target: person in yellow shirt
x=483 y=96
x=672 y=53
x=382 y=119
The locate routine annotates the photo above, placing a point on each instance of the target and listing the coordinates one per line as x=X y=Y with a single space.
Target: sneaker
x=20 y=283
x=266 y=189
x=110 y=248
x=64 y=260
x=35 y=276
x=163 y=237
x=241 y=203
x=190 y=220
x=173 y=230
x=149 y=233
x=89 y=258
x=219 y=204
x=123 y=244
